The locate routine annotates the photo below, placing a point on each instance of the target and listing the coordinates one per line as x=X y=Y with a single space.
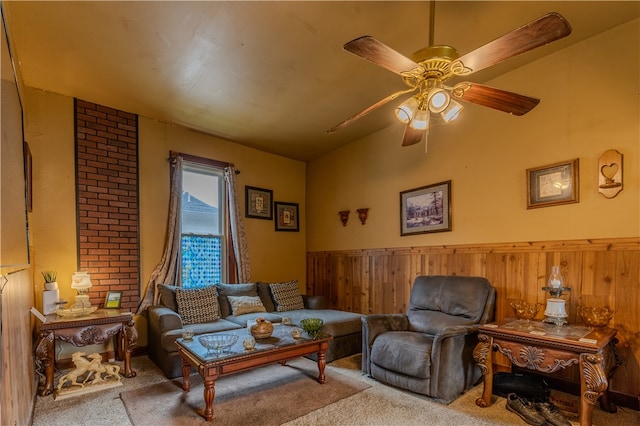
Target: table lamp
x=81 y=282
x=555 y=311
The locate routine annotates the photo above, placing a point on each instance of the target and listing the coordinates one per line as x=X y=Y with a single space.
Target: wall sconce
x=362 y=215
x=344 y=216
x=610 y=176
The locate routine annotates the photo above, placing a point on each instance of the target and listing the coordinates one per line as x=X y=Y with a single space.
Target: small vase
x=51 y=286
x=262 y=329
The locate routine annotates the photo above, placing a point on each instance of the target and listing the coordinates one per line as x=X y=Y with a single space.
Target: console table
x=90 y=329
x=548 y=348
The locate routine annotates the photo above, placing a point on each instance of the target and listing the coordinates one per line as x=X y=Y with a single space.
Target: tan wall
x=584 y=111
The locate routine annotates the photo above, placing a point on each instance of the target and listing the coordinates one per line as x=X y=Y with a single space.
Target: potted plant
x=50 y=282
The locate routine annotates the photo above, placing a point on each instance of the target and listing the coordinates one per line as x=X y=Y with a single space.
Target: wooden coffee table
x=278 y=348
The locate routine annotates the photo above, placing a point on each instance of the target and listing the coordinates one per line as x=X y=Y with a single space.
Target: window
x=203 y=240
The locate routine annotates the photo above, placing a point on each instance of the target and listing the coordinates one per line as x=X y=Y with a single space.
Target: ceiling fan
x=429 y=68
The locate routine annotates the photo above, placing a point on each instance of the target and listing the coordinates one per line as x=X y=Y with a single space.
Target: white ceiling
x=270 y=75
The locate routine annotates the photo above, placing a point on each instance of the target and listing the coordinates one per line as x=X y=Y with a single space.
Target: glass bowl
x=217 y=344
x=525 y=310
x=595 y=317
x=312 y=326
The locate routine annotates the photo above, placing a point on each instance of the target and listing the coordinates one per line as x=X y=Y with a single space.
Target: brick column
x=107 y=201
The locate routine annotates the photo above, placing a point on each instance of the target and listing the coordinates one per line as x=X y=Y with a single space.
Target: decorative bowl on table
x=312 y=326
x=595 y=317
x=217 y=344
x=525 y=310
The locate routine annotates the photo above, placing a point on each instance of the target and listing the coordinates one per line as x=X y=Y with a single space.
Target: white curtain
x=168 y=271
x=238 y=237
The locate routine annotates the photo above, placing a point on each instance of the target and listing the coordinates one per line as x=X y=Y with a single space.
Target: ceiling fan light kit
x=428 y=69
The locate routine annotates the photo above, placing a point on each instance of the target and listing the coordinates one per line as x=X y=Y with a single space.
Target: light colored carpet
x=268 y=396
x=377 y=405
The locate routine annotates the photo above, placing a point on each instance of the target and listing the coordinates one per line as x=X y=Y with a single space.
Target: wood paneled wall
x=599 y=272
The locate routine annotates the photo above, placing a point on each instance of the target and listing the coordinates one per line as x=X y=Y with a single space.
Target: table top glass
x=281 y=337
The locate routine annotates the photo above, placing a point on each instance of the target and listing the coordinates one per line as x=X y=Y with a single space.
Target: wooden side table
x=91 y=329
x=548 y=348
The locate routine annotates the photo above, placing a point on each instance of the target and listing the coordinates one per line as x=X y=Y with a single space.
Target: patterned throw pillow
x=287 y=296
x=197 y=306
x=245 y=304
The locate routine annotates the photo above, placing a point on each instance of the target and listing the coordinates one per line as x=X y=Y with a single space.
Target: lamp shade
x=406 y=110
x=80 y=281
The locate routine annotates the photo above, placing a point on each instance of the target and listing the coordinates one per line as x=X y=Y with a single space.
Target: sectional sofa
x=222 y=307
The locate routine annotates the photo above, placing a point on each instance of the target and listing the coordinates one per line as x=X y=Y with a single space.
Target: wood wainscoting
x=599 y=272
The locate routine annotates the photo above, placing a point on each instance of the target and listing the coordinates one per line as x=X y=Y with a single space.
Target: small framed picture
x=113 y=300
x=553 y=184
x=426 y=209
x=286 y=216
x=258 y=202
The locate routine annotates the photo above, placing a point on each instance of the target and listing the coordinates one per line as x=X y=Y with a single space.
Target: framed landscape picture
x=113 y=300
x=258 y=203
x=426 y=209
x=553 y=184
x=286 y=216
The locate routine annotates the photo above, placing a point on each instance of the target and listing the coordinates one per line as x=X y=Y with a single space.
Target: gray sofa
x=165 y=324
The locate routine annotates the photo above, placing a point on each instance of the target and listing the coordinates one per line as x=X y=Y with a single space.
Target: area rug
x=269 y=395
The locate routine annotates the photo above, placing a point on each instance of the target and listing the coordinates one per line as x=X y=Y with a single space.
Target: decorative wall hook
x=344 y=216
x=362 y=215
x=610 y=173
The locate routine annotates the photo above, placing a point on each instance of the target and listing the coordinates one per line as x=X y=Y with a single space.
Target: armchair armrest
x=373 y=326
x=164 y=319
x=314 y=302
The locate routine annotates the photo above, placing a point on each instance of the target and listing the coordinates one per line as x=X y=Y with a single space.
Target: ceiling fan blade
x=543 y=30
x=491 y=97
x=367 y=110
x=412 y=136
x=380 y=54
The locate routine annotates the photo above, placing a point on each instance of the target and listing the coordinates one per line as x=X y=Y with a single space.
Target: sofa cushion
x=336 y=323
x=224 y=290
x=197 y=305
x=245 y=304
x=287 y=296
x=168 y=296
x=265 y=295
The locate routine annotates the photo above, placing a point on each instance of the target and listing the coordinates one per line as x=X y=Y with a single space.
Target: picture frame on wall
x=113 y=300
x=258 y=203
x=426 y=209
x=286 y=217
x=553 y=184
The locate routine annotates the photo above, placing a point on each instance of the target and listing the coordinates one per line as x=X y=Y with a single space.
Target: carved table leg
x=129 y=339
x=186 y=372
x=593 y=382
x=209 y=393
x=483 y=354
x=322 y=362
x=45 y=360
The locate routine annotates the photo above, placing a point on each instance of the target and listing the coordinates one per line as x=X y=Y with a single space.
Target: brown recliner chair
x=429 y=350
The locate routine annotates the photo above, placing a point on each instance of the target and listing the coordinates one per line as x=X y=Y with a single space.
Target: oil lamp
x=555 y=311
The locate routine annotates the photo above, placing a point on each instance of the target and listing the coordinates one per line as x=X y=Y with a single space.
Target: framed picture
x=553 y=184
x=113 y=300
x=258 y=203
x=426 y=209
x=286 y=216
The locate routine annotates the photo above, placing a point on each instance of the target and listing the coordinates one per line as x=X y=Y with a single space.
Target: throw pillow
x=287 y=296
x=168 y=296
x=224 y=290
x=245 y=304
x=265 y=295
x=197 y=306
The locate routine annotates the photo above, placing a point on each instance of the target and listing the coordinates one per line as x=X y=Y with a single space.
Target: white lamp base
x=555 y=311
x=82 y=301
